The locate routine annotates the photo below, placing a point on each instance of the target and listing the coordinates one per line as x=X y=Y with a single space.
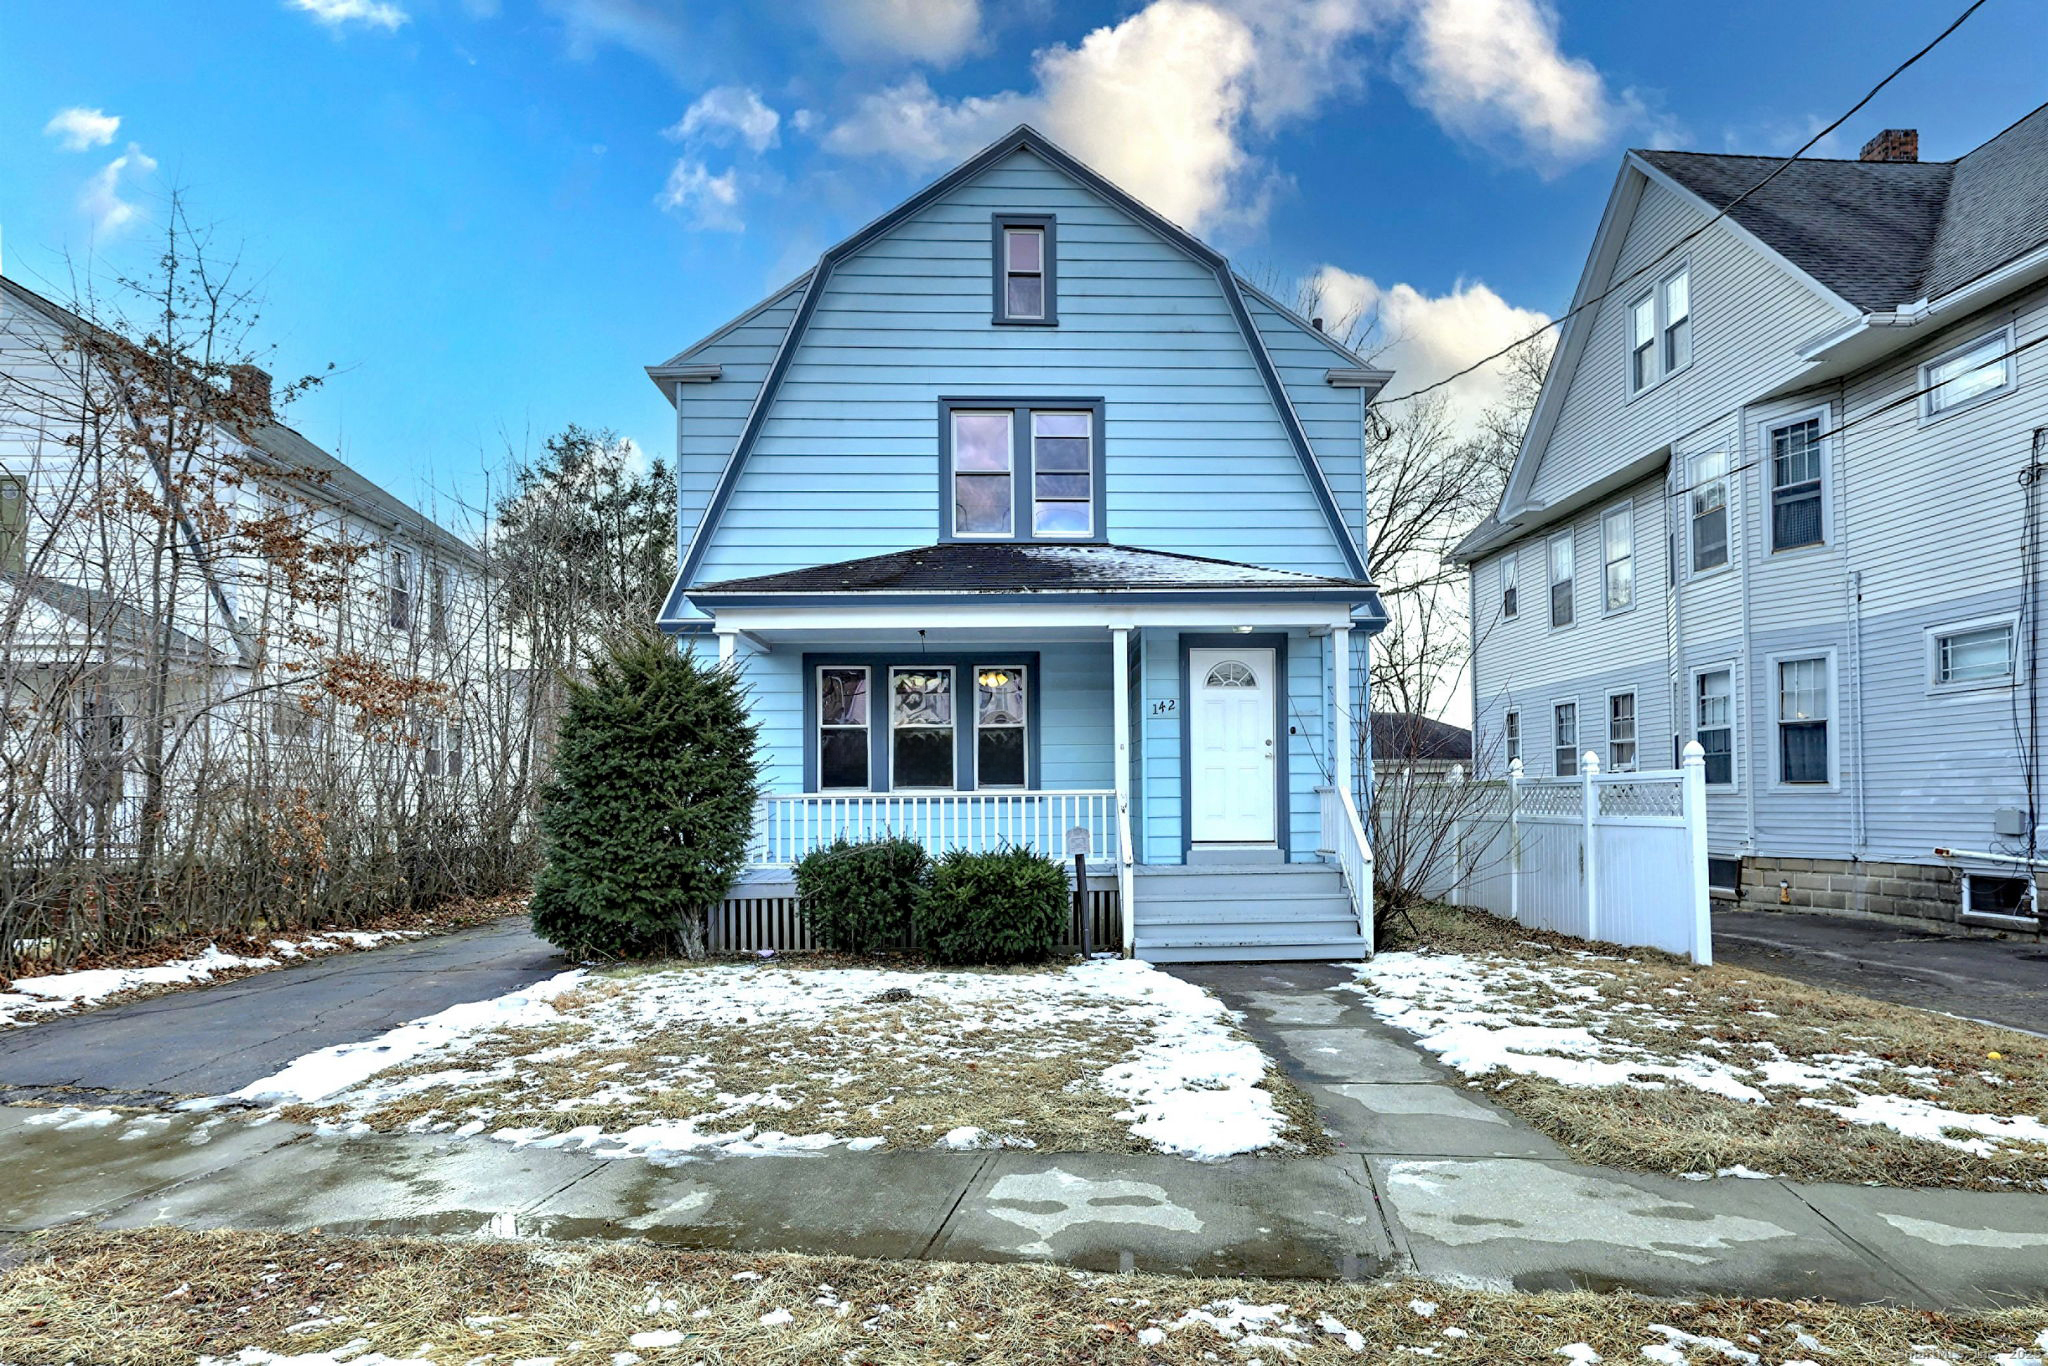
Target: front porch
x=1199 y=754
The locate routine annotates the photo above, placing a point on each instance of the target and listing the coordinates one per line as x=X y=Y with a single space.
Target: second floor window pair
x=1024 y=473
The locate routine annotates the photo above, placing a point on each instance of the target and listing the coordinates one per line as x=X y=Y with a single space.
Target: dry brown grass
x=904 y=1072
x=150 y=1298
x=1743 y=1017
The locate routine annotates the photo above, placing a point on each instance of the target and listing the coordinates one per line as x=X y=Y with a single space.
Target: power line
x=1668 y=252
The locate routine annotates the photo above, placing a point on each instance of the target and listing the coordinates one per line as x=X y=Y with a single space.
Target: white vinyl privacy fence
x=1617 y=857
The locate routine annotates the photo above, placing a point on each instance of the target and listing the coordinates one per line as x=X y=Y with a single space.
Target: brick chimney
x=1893 y=144
x=250 y=386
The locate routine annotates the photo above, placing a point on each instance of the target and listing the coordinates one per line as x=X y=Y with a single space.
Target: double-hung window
x=1617 y=548
x=1803 y=721
x=437 y=604
x=1621 y=731
x=398 y=591
x=13 y=523
x=1969 y=374
x=1024 y=269
x=1709 y=511
x=1798 y=461
x=843 y=729
x=920 y=728
x=1564 y=754
x=999 y=721
x=1714 y=723
x=1023 y=471
x=1561 y=579
x=1660 y=331
x=1511 y=736
x=1977 y=654
x=1510 y=583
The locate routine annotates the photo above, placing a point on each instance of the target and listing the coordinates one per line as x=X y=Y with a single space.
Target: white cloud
x=370 y=13
x=77 y=129
x=708 y=201
x=727 y=112
x=939 y=32
x=101 y=199
x=1424 y=337
x=1153 y=103
x=1488 y=69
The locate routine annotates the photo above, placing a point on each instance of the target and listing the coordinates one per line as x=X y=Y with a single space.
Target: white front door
x=1230 y=746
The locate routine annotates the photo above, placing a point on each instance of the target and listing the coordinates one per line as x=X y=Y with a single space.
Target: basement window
x=1724 y=875
x=2007 y=898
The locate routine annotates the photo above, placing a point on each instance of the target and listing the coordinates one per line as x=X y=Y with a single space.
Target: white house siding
x=1197 y=458
x=1749 y=313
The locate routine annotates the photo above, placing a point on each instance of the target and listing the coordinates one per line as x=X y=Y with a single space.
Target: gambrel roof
x=1353 y=369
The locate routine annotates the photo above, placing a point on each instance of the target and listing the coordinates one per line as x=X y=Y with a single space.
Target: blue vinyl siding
x=709 y=418
x=1198 y=458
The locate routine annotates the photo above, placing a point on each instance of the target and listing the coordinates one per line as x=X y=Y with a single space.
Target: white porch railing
x=789 y=825
x=1343 y=835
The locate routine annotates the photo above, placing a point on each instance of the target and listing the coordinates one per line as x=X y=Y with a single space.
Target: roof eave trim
x=964 y=596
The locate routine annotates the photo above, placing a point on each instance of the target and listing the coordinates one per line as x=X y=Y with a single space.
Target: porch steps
x=1243 y=913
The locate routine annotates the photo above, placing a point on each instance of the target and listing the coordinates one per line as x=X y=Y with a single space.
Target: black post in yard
x=1081 y=905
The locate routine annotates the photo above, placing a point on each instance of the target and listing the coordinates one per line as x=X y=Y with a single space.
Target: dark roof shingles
x=1014 y=567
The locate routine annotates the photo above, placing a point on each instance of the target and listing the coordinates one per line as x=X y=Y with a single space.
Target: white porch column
x=1120 y=733
x=1340 y=683
x=728 y=645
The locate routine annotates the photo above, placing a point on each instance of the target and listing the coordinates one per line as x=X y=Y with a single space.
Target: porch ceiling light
x=994 y=678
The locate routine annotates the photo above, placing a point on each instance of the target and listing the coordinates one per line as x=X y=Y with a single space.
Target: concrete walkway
x=1431 y=1178
x=215 y=1039
x=2003 y=981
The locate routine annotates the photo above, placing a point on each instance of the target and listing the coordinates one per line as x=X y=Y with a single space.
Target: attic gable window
x=1025 y=269
x=1027 y=470
x=1660 y=331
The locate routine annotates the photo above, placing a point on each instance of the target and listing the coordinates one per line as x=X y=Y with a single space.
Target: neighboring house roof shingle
x=1406 y=737
x=124 y=627
x=1010 y=567
x=1886 y=233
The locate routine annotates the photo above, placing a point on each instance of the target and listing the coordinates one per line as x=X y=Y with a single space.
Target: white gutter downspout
x=1748 y=776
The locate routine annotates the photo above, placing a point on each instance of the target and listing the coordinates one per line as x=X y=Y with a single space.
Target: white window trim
x=1768 y=466
x=1730 y=503
x=953 y=473
x=1023 y=729
x=818 y=694
x=1627 y=509
x=1659 y=323
x=889 y=720
x=1550 y=578
x=1692 y=711
x=1836 y=726
x=1607 y=722
x=1578 y=738
x=1510 y=560
x=1932 y=646
x=1511 y=752
x=1927 y=412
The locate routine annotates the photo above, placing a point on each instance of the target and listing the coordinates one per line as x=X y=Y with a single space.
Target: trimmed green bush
x=646 y=823
x=1006 y=907
x=856 y=897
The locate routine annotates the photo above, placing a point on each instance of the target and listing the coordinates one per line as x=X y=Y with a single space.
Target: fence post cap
x=1589 y=764
x=1514 y=768
x=1457 y=773
x=1695 y=756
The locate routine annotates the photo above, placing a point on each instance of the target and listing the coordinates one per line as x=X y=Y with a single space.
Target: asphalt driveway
x=2001 y=981
x=216 y=1039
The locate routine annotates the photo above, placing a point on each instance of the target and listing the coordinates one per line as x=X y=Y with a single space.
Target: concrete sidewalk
x=212 y=1040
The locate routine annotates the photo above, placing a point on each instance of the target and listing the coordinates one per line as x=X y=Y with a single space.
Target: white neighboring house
x=87 y=613
x=1780 y=495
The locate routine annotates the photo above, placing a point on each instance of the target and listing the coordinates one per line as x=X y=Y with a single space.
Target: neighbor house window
x=1978 y=654
x=1714 y=723
x=1709 y=511
x=13 y=524
x=1023 y=471
x=1024 y=274
x=920 y=728
x=1511 y=735
x=1565 y=747
x=1561 y=580
x=102 y=744
x=843 y=729
x=437 y=604
x=1621 y=731
x=1660 y=331
x=289 y=719
x=398 y=591
x=1617 y=547
x=1980 y=370
x=1510 y=583
x=1803 y=720
x=999 y=722
x=1796 y=478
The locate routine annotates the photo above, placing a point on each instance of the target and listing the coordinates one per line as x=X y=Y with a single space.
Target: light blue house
x=1022 y=514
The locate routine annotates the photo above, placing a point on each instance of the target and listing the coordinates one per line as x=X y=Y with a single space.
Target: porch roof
x=986 y=570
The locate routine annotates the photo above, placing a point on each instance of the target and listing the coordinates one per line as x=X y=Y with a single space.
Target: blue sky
x=490 y=214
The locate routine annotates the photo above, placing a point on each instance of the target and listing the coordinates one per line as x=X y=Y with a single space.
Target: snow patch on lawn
x=1485 y=1015
x=1192 y=1084
x=36 y=998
